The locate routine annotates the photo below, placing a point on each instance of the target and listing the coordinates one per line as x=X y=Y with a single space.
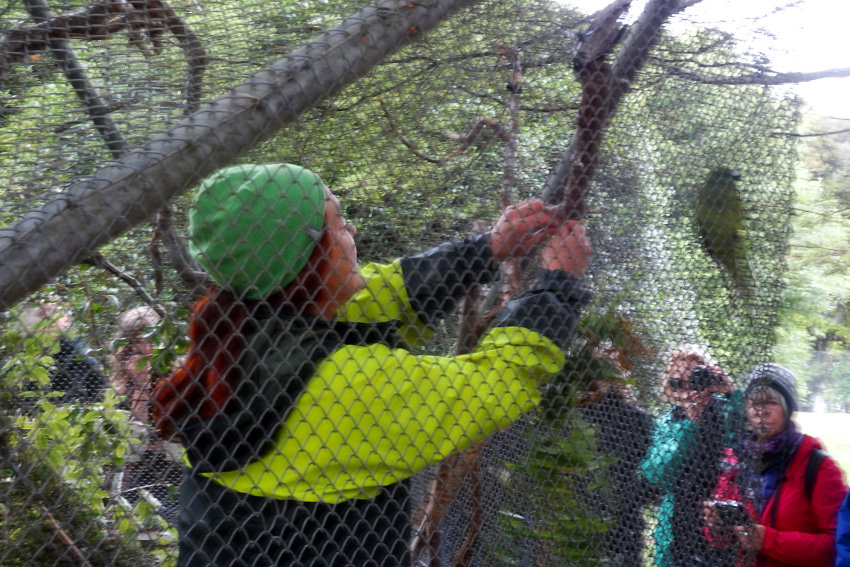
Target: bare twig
x=99 y=261
x=764 y=78
x=465 y=140
x=810 y=135
x=407 y=143
x=182 y=262
x=60 y=532
x=567 y=106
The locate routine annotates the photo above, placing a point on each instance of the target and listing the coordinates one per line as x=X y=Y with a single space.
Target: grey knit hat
x=778 y=378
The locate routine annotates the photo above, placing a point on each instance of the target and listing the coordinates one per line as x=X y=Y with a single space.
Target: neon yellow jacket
x=374 y=415
x=370 y=415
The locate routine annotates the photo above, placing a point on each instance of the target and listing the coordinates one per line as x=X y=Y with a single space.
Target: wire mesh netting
x=197 y=373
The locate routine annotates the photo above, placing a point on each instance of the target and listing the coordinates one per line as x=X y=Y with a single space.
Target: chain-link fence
x=195 y=372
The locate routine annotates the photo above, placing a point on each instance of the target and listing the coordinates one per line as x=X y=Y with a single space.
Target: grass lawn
x=833 y=429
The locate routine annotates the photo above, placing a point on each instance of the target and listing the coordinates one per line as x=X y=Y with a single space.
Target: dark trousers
x=224 y=528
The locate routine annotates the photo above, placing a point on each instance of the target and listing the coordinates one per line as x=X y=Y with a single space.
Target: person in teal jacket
x=303 y=407
x=687 y=443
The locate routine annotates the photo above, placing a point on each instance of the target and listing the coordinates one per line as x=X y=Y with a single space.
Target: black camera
x=731 y=513
x=703 y=377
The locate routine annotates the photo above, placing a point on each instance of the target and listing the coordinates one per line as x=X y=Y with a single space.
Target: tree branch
x=99 y=261
x=63 y=536
x=501 y=102
x=181 y=261
x=632 y=56
x=141 y=18
x=812 y=135
x=78 y=79
x=93 y=211
x=766 y=78
x=465 y=140
x=578 y=165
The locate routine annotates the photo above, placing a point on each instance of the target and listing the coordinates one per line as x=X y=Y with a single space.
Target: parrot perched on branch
x=720 y=219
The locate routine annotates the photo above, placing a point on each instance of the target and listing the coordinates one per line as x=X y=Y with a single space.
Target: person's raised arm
x=437 y=279
x=551 y=306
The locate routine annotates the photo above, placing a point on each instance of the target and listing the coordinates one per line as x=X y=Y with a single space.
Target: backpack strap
x=817 y=457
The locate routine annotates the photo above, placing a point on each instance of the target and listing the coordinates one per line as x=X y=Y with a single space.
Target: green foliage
x=58 y=461
x=565 y=469
x=559 y=523
x=605 y=348
x=815 y=329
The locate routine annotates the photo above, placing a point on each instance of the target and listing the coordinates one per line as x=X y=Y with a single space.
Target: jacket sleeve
x=373 y=415
x=437 y=279
x=811 y=549
x=550 y=308
x=671 y=443
x=842 y=541
x=420 y=290
x=673 y=440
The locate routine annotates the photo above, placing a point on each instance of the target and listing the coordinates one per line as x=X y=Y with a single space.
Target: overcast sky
x=810 y=35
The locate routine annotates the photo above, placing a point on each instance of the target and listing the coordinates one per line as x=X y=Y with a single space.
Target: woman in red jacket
x=791 y=526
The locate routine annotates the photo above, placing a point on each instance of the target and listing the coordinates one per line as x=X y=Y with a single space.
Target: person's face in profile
x=343 y=278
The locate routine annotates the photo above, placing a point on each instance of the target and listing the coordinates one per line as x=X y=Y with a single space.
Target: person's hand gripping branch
x=552 y=304
x=567 y=250
x=522 y=227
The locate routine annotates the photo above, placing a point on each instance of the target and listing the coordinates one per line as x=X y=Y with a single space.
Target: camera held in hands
x=701 y=378
x=731 y=513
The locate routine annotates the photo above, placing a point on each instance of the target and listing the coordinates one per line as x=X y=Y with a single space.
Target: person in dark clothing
x=301 y=407
x=78 y=376
x=623 y=431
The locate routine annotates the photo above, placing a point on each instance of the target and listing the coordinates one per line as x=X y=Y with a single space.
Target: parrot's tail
x=745 y=281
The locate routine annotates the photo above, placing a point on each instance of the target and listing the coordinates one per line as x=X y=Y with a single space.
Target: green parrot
x=720 y=217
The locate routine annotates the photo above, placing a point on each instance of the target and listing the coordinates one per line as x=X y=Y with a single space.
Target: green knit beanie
x=248 y=226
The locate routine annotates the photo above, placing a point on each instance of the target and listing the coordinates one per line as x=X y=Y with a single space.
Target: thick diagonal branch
x=91 y=212
x=630 y=58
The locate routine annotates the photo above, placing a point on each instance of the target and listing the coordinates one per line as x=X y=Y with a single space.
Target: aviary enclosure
x=427 y=118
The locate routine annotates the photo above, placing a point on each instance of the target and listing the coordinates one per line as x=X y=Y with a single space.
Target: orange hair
x=204 y=384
